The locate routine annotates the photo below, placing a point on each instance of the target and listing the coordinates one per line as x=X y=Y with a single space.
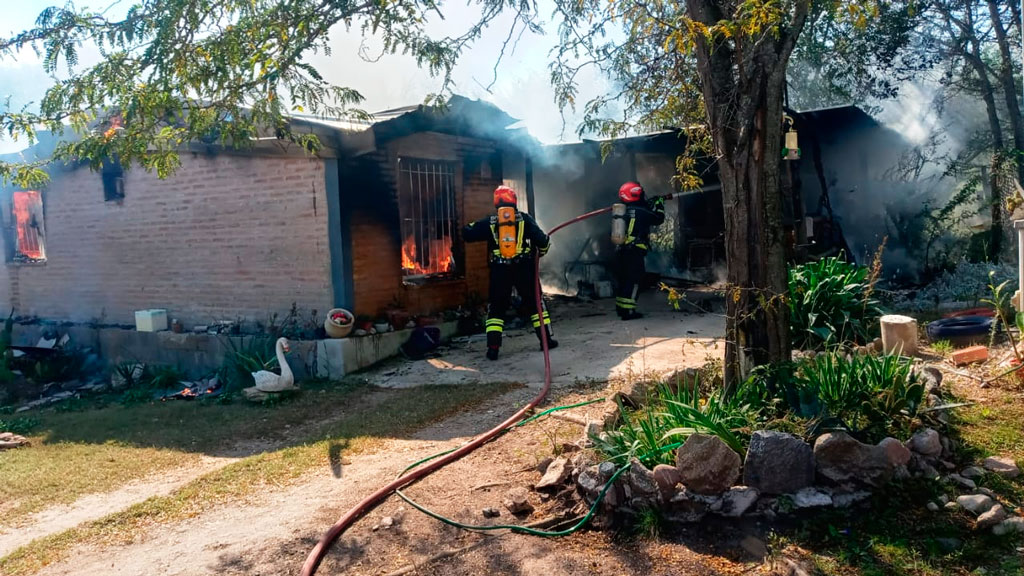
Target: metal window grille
x=426 y=203
x=28 y=215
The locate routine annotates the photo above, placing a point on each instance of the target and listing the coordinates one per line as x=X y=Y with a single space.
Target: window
x=426 y=208
x=113 y=181
x=29 y=238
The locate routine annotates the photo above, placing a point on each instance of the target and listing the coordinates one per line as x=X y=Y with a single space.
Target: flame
x=27 y=224
x=438 y=256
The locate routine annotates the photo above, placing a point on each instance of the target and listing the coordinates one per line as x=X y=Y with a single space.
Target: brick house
x=372 y=220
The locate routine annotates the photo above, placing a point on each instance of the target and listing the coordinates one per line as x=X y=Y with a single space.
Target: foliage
x=163 y=377
x=1000 y=302
x=942 y=347
x=671 y=416
x=221 y=72
x=247 y=356
x=870 y=396
x=295 y=325
x=830 y=302
x=22 y=425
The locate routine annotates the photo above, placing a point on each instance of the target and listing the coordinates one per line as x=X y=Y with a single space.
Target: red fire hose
x=316 y=555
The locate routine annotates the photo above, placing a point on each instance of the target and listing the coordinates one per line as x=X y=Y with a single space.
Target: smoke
x=883 y=179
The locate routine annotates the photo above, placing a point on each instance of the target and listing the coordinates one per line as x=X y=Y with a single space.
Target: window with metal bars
x=27 y=206
x=426 y=207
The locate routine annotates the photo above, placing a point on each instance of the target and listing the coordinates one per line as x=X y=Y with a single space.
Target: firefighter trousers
x=629 y=272
x=521 y=276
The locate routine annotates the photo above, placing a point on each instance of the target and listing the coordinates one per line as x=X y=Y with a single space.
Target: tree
x=177 y=71
x=723 y=63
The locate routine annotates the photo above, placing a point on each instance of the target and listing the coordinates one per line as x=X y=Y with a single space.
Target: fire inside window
x=28 y=220
x=426 y=206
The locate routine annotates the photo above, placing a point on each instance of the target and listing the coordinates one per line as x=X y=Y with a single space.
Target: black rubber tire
x=959 y=326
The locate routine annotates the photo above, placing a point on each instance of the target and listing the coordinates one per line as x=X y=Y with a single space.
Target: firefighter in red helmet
x=512 y=237
x=640 y=215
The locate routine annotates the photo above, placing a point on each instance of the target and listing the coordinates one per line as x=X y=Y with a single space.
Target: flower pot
x=381 y=327
x=339 y=328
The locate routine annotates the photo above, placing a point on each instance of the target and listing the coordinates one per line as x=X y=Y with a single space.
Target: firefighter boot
x=494 y=327
x=552 y=343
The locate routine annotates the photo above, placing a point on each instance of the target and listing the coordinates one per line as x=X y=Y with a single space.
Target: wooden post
x=899 y=335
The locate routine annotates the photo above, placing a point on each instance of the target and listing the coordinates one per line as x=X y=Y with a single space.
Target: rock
x=542 y=466
x=605 y=471
x=972 y=472
x=590 y=482
x=849 y=499
x=737 y=501
x=556 y=474
x=387 y=522
x=927 y=443
x=961 y=481
x=931 y=377
x=1005 y=467
x=943 y=499
x=932 y=400
x=987 y=492
x=592 y=430
x=610 y=415
x=1012 y=525
x=995 y=515
x=685 y=507
x=686 y=378
x=929 y=472
x=517 y=500
x=641 y=480
x=778 y=463
x=755 y=547
x=667 y=478
x=811 y=497
x=491 y=512
x=933 y=507
x=975 y=503
x=707 y=465
x=949 y=544
x=895 y=451
x=951 y=506
x=10 y=440
x=841 y=459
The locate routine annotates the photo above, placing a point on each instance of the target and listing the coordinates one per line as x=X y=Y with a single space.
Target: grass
x=403 y=412
x=110 y=446
x=942 y=347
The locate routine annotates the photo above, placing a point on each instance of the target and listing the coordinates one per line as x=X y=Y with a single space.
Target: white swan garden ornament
x=267 y=381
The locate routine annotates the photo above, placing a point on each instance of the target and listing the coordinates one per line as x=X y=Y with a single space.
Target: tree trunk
x=742 y=81
x=1006 y=80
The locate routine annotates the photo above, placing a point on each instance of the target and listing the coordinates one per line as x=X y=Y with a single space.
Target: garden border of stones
x=780 y=474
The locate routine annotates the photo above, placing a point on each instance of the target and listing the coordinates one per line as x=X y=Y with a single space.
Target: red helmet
x=631 y=192
x=505 y=196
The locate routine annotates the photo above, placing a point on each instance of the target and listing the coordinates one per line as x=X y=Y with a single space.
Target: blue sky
x=522 y=88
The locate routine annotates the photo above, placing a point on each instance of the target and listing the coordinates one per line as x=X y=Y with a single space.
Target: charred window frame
x=28 y=227
x=112 y=174
x=428 y=218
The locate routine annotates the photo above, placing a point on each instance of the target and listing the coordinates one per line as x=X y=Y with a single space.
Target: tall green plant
x=830 y=302
x=245 y=357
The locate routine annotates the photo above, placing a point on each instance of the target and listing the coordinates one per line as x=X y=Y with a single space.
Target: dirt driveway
x=272 y=531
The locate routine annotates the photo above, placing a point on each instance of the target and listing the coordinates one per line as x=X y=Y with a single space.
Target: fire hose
x=433 y=463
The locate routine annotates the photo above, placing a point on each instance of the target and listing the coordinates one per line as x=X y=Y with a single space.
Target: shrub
x=670 y=417
x=246 y=357
x=830 y=302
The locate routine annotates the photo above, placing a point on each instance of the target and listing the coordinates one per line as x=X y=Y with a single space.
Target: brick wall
x=376 y=242
x=225 y=237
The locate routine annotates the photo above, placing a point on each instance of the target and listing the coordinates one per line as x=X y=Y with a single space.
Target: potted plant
x=364 y=322
x=339 y=323
x=381 y=324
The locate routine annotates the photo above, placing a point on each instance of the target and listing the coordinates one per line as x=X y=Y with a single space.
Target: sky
x=522 y=88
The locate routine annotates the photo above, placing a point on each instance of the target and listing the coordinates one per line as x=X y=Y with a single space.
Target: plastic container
x=151 y=320
x=335 y=330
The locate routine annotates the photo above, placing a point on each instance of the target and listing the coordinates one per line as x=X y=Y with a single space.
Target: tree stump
x=899 y=335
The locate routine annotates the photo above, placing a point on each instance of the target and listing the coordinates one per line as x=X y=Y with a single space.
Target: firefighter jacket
x=640 y=217
x=529 y=237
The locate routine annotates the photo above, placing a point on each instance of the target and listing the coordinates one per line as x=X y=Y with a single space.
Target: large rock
x=895 y=451
x=1012 y=525
x=737 y=501
x=517 y=501
x=778 y=463
x=1004 y=467
x=667 y=477
x=707 y=465
x=556 y=474
x=995 y=515
x=811 y=497
x=842 y=459
x=927 y=443
x=975 y=503
x=641 y=481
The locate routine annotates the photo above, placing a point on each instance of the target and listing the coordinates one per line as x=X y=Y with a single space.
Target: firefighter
x=512 y=237
x=640 y=215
